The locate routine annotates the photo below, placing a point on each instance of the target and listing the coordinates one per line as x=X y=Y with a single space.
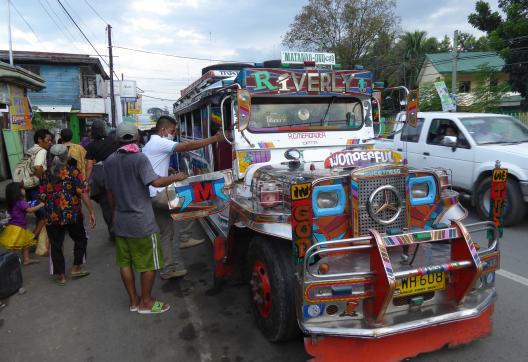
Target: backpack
x=25 y=170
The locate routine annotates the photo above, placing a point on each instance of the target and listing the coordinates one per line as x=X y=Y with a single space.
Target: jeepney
x=337 y=240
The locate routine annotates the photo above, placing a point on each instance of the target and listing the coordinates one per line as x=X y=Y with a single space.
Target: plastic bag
x=42 y=243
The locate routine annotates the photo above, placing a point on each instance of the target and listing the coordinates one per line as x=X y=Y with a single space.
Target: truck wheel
x=515 y=207
x=271 y=287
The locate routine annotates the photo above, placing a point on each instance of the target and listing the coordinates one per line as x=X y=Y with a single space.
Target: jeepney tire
x=281 y=324
x=515 y=209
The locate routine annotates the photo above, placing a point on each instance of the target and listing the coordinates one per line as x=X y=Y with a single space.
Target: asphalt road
x=88 y=319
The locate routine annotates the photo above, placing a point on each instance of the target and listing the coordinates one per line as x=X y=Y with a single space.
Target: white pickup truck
x=469 y=144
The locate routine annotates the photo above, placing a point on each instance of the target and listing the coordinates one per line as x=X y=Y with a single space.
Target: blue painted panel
x=63 y=86
x=431 y=185
x=341 y=199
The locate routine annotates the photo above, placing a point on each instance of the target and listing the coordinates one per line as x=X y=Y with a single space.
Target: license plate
x=420 y=284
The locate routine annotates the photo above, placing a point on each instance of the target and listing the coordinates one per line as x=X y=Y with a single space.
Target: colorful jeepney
x=339 y=240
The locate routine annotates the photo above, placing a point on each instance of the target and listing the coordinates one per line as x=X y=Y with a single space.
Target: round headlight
x=327 y=200
x=303 y=114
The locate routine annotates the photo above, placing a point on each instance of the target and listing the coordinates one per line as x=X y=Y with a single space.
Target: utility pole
x=9 y=33
x=111 y=65
x=455 y=66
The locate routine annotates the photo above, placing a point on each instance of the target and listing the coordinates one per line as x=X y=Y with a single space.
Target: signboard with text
x=301 y=57
x=301 y=82
x=20 y=115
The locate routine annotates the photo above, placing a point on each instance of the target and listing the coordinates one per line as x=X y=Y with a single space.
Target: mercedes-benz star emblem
x=384 y=202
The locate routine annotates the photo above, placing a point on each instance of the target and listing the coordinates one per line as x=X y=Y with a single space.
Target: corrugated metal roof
x=468 y=62
x=21 y=77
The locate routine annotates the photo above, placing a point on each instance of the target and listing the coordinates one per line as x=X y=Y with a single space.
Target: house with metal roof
x=75 y=92
x=437 y=66
x=15 y=112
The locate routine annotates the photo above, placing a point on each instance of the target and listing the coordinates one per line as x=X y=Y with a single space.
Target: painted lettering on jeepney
x=200 y=192
x=301 y=219
x=498 y=197
x=283 y=81
x=262 y=81
x=304 y=135
x=301 y=191
x=351 y=158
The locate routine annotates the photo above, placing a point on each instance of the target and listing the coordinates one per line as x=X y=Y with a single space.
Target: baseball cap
x=126 y=132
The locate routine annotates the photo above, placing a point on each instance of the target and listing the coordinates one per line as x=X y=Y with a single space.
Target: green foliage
x=488 y=91
x=508 y=36
x=39 y=122
x=429 y=100
x=348 y=28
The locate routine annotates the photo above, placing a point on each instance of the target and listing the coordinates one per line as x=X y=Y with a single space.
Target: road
x=88 y=319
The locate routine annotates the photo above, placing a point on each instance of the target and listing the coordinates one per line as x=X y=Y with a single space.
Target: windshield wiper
x=327 y=109
x=492 y=142
x=516 y=142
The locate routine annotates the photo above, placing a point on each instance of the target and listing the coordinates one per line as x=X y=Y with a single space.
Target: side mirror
x=450 y=141
x=244 y=109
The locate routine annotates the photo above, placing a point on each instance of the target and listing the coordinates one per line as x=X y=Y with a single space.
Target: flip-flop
x=32 y=261
x=134 y=308
x=157 y=308
x=60 y=282
x=79 y=274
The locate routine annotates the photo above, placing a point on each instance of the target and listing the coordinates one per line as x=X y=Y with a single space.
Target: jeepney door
x=197 y=196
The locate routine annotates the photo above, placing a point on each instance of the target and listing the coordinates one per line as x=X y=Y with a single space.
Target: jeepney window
x=205 y=124
x=412 y=134
x=188 y=125
x=216 y=120
x=306 y=113
x=197 y=124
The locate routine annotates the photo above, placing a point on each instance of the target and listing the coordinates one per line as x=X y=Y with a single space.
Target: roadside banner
x=498 y=197
x=412 y=108
x=447 y=102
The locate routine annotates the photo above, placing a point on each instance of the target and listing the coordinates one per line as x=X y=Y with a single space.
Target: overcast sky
x=242 y=30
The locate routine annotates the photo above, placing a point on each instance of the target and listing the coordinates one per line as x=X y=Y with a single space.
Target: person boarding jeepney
x=159 y=150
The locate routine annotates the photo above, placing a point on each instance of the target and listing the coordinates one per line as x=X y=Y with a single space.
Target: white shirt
x=159 y=150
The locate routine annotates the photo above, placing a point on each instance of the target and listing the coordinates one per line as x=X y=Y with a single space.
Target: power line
x=60 y=21
x=66 y=35
x=158 y=98
x=95 y=12
x=177 y=56
x=183 y=79
x=80 y=19
x=24 y=19
x=84 y=35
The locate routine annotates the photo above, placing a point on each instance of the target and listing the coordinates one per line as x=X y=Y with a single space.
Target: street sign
x=301 y=57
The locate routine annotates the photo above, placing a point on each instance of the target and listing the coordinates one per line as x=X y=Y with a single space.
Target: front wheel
x=515 y=208
x=272 y=288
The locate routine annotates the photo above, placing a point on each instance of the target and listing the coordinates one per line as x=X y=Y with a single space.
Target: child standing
x=16 y=236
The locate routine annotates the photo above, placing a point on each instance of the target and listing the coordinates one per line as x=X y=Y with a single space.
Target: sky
x=234 y=30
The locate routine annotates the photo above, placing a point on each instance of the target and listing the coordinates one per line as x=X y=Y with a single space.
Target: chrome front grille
x=366 y=187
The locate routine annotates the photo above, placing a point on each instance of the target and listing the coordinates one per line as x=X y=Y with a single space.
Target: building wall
x=428 y=74
x=62 y=86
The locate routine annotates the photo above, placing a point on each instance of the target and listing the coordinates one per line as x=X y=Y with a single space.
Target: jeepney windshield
x=305 y=113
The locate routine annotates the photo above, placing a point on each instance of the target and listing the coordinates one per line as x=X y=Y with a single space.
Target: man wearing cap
x=128 y=174
x=159 y=150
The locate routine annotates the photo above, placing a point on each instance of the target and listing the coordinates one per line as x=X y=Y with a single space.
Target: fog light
x=269 y=195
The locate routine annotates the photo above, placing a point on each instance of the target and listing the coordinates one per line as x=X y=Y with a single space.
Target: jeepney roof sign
x=354 y=158
x=274 y=81
x=208 y=78
x=293 y=57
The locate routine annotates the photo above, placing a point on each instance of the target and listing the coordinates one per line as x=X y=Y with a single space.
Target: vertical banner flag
x=498 y=197
x=447 y=102
x=412 y=108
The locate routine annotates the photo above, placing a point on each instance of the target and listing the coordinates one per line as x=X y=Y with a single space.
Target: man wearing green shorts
x=128 y=174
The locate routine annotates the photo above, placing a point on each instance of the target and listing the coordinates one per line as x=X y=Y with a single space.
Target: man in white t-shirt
x=159 y=150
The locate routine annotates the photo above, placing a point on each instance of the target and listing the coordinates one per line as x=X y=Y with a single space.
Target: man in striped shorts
x=128 y=174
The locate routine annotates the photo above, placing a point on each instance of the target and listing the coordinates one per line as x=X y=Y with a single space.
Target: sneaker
x=190 y=242
x=173 y=273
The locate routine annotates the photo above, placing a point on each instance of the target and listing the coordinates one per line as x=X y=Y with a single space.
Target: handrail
x=442 y=267
x=487 y=226
x=222 y=117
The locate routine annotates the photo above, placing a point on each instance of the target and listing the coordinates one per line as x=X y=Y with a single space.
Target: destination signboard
x=301 y=57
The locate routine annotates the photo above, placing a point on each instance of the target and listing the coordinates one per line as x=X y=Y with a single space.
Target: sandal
x=157 y=308
x=79 y=274
x=134 y=308
x=60 y=282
